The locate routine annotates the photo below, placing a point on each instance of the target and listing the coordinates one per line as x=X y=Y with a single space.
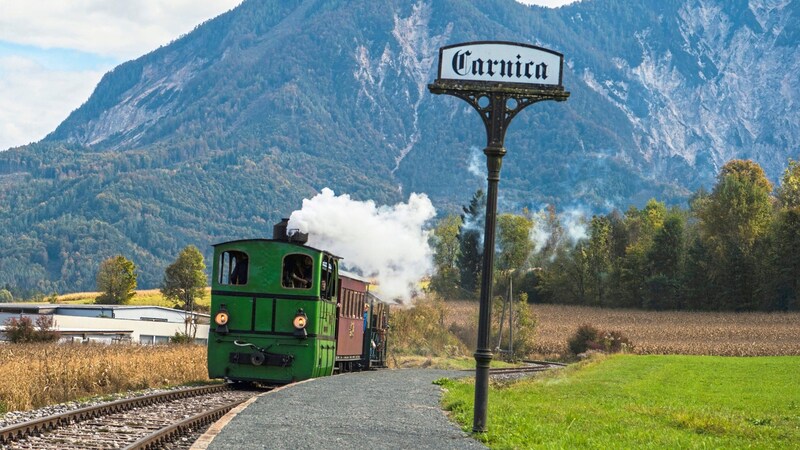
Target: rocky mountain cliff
x=225 y=130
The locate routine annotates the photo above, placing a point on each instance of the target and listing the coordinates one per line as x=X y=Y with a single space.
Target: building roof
x=54 y=308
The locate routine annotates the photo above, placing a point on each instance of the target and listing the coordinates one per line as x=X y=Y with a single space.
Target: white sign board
x=503 y=62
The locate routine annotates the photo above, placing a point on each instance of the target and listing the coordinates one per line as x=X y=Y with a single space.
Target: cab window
x=328 y=283
x=297 y=272
x=233 y=267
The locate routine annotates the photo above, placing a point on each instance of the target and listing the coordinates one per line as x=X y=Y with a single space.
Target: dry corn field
x=661 y=332
x=35 y=375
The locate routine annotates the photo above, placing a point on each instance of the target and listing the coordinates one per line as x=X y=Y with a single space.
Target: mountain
x=222 y=132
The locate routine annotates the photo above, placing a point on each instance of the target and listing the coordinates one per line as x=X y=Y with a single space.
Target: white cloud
x=35 y=99
x=83 y=39
x=121 y=29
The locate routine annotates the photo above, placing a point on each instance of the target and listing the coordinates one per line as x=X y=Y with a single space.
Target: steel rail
x=38 y=426
x=167 y=434
x=550 y=363
x=506 y=370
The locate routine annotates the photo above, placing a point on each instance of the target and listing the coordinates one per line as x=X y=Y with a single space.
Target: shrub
x=22 y=330
x=524 y=326
x=44 y=329
x=584 y=336
x=587 y=337
x=181 y=338
x=615 y=342
x=466 y=333
x=19 y=330
x=421 y=330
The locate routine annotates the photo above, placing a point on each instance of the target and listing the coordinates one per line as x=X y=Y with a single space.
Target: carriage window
x=297 y=272
x=233 y=267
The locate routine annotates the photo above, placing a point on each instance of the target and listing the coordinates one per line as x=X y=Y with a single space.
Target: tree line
x=184 y=281
x=736 y=248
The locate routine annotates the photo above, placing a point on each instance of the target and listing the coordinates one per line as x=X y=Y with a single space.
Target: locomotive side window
x=297 y=271
x=233 y=267
x=328 y=286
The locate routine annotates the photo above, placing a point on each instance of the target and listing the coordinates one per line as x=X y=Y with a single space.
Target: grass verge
x=631 y=401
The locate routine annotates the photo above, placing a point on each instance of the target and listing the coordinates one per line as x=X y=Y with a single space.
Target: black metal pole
x=492 y=102
x=483 y=354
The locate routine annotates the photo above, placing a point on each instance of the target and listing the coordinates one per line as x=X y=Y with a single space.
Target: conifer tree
x=470 y=240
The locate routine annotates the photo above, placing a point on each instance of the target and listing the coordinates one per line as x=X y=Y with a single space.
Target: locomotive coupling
x=259 y=356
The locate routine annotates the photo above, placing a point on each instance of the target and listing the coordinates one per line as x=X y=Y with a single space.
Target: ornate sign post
x=498 y=79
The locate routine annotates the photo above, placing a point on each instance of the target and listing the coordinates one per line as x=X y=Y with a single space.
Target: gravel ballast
x=387 y=409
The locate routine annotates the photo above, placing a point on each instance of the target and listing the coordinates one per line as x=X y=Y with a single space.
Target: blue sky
x=53 y=52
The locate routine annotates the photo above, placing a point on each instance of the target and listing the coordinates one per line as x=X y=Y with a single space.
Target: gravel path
x=387 y=409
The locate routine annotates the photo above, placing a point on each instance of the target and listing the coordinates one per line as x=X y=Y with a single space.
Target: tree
x=733 y=219
x=116 y=280
x=784 y=261
x=789 y=190
x=549 y=235
x=513 y=238
x=599 y=259
x=630 y=267
x=5 y=296
x=470 y=241
x=184 y=281
x=664 y=264
x=445 y=257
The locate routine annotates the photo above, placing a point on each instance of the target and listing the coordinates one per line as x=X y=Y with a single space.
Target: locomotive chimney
x=281 y=232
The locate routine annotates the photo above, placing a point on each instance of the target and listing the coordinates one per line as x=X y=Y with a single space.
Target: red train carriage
x=350 y=322
x=362 y=324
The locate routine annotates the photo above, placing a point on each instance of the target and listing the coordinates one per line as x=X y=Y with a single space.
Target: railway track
x=512 y=373
x=147 y=422
x=529 y=367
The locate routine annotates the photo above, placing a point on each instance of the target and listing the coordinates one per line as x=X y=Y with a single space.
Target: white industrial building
x=109 y=323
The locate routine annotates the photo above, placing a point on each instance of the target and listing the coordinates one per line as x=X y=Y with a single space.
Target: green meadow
x=632 y=401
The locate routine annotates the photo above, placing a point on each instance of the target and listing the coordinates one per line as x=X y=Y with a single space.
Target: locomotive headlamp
x=300 y=321
x=221 y=318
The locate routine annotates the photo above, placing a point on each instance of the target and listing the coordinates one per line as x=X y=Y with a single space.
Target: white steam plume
x=388 y=243
x=570 y=229
x=574 y=222
x=540 y=234
x=477 y=162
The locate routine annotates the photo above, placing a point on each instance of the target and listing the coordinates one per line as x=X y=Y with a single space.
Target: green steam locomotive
x=283 y=312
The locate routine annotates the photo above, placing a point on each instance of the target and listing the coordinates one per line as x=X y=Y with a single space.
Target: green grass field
x=630 y=401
